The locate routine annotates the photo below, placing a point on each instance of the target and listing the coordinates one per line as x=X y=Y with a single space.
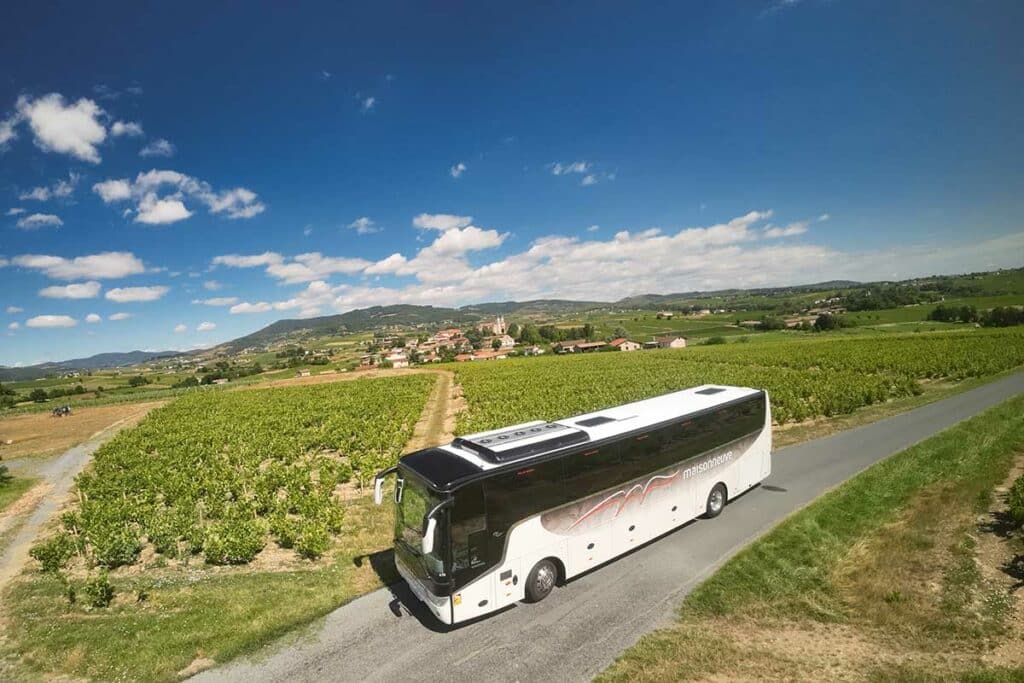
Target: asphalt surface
x=580 y=628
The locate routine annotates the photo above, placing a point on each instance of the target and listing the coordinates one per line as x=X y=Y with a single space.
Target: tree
x=620 y=332
x=495 y=343
x=140 y=381
x=530 y=335
x=825 y=322
x=38 y=395
x=769 y=322
x=514 y=330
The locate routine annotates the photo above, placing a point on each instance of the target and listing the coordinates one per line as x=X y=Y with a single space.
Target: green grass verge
x=14 y=489
x=793 y=574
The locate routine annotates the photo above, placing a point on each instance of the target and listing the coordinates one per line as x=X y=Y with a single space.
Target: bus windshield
x=414 y=502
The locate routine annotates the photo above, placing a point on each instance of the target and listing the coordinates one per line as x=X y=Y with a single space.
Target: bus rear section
x=503 y=516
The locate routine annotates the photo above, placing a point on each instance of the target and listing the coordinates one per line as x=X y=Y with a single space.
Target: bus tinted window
x=524 y=491
x=469 y=528
x=637 y=454
x=592 y=470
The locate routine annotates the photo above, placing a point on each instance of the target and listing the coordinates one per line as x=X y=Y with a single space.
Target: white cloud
x=135 y=294
x=51 y=321
x=59 y=190
x=180 y=328
x=206 y=326
x=113 y=190
x=246 y=307
x=155 y=211
x=119 y=316
x=593 y=228
x=15 y=309
x=364 y=226
x=158 y=148
x=791 y=230
x=152 y=208
x=368 y=103
x=39 y=220
x=212 y=285
x=129 y=128
x=441 y=221
x=217 y=301
x=589 y=179
x=315 y=266
x=824 y=217
x=7 y=132
x=74 y=129
x=106 y=265
x=238 y=261
x=571 y=167
x=15 y=211
x=93 y=318
x=81 y=290
x=13 y=326
x=457 y=170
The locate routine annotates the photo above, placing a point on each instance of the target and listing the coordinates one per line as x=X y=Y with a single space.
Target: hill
x=99 y=361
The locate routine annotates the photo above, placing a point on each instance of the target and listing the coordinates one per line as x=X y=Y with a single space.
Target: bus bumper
x=439 y=607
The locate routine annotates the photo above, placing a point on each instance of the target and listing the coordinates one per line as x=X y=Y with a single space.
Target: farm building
x=665 y=315
x=576 y=346
x=624 y=344
x=671 y=342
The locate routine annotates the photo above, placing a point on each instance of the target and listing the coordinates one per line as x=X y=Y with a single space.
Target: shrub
x=113 y=547
x=54 y=552
x=313 y=540
x=1016 y=501
x=98 y=591
x=233 y=541
x=713 y=341
x=285 y=530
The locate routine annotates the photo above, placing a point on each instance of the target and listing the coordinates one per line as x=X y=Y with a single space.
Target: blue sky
x=178 y=175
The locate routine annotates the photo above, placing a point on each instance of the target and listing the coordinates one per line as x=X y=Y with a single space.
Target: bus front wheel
x=541 y=581
x=716 y=501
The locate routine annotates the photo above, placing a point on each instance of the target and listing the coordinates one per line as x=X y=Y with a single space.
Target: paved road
x=579 y=629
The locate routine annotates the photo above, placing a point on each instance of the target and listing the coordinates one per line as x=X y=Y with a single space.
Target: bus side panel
x=588 y=550
x=474 y=600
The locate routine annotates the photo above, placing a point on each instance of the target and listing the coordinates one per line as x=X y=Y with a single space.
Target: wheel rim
x=545 y=578
x=716 y=500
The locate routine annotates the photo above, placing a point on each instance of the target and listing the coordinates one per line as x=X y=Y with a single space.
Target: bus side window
x=527 y=490
x=638 y=454
x=469 y=528
x=592 y=470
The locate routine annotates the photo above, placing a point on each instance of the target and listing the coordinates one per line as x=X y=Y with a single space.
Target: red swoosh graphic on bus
x=657 y=481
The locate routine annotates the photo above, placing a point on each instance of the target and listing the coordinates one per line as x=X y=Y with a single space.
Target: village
x=495 y=340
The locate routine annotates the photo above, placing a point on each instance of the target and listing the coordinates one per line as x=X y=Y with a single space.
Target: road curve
x=580 y=628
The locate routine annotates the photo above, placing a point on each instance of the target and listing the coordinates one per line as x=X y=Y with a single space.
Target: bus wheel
x=716 y=501
x=541 y=580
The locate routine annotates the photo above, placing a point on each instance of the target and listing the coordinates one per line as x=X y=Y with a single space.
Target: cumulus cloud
x=106 y=265
x=212 y=285
x=315 y=266
x=206 y=326
x=119 y=316
x=59 y=190
x=457 y=170
x=15 y=309
x=129 y=128
x=73 y=129
x=774 y=231
x=246 y=307
x=7 y=132
x=364 y=226
x=367 y=103
x=39 y=220
x=252 y=261
x=13 y=326
x=158 y=148
x=441 y=221
x=93 y=318
x=135 y=294
x=180 y=328
x=80 y=290
x=217 y=301
x=15 y=211
x=160 y=195
x=824 y=217
x=51 y=321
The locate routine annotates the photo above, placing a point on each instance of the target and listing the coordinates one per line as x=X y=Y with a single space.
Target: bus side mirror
x=427 y=545
x=378 y=490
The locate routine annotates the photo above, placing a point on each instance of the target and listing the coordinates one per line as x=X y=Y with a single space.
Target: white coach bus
x=502 y=516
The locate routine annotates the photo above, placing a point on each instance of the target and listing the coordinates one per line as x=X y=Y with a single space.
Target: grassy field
x=903 y=573
x=13 y=490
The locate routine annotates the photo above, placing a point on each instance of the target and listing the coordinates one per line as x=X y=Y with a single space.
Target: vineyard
x=805 y=379
x=223 y=473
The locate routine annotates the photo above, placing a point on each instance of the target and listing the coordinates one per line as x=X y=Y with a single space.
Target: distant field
x=811 y=377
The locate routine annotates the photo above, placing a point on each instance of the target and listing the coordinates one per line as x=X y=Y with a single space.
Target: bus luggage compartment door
x=589 y=549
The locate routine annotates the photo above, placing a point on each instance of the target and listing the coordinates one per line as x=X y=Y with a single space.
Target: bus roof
x=469 y=456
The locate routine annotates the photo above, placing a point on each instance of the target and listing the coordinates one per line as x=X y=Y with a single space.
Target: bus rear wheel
x=541 y=581
x=716 y=501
